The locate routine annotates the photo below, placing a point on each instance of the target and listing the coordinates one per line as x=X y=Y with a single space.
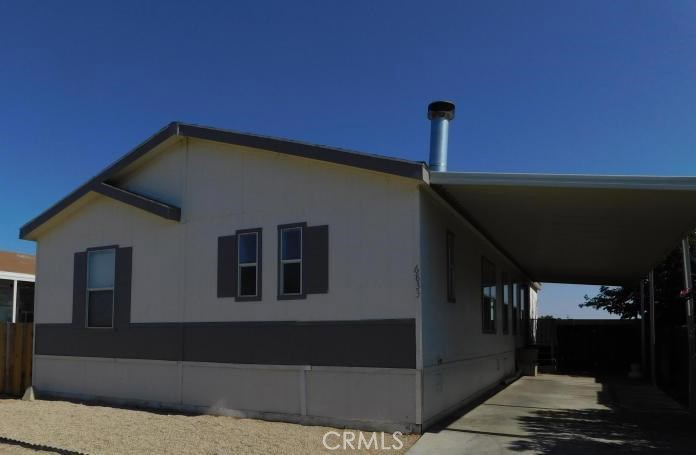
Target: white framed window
x=489 y=294
x=507 y=294
x=290 y=274
x=248 y=264
x=101 y=277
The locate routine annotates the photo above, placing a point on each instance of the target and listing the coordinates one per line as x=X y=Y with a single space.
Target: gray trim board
x=631 y=182
x=103 y=247
x=153 y=206
x=394 y=166
x=122 y=287
x=134 y=341
x=315 y=259
x=383 y=343
x=387 y=343
x=79 y=289
x=227 y=266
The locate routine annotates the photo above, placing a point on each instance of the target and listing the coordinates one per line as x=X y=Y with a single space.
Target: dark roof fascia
x=403 y=168
x=155 y=140
x=153 y=206
x=395 y=166
x=578 y=181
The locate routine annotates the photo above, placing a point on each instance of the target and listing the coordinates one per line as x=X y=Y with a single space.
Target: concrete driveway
x=555 y=414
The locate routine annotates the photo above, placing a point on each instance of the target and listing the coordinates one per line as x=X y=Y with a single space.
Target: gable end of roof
x=393 y=166
x=162 y=135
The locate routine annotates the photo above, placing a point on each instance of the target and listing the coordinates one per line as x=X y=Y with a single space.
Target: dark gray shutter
x=79 y=289
x=315 y=260
x=227 y=266
x=122 y=297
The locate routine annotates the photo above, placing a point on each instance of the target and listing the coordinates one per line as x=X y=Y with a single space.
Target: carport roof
x=582 y=229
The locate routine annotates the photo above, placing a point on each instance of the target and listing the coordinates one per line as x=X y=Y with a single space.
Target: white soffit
x=583 y=229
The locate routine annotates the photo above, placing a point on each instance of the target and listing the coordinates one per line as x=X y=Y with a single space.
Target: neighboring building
x=17 y=272
x=232 y=273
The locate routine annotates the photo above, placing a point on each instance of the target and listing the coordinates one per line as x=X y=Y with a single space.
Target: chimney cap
x=441 y=109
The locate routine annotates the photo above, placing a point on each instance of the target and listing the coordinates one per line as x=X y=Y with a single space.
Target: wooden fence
x=16 y=346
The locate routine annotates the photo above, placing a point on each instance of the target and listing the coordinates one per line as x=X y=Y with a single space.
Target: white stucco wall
x=459 y=360
x=373 y=249
x=373 y=236
x=380 y=228
x=370 y=398
x=103 y=221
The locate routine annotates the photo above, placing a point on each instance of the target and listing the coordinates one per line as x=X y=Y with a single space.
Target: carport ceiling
x=576 y=228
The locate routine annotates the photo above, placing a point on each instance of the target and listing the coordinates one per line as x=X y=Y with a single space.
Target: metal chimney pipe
x=439 y=113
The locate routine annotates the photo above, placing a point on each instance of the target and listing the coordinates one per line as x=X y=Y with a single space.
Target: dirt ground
x=72 y=427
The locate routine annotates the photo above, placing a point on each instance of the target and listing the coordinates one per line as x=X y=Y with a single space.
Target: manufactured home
x=231 y=273
x=17 y=274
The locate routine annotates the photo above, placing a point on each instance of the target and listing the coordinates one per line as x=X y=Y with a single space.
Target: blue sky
x=543 y=86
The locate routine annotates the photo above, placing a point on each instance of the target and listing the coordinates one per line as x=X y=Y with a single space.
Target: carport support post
x=688 y=285
x=643 y=356
x=651 y=302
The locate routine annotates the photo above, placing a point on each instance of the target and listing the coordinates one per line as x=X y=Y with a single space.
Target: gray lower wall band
x=384 y=343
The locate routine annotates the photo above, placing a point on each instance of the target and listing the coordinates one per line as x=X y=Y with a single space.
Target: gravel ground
x=105 y=430
x=7 y=449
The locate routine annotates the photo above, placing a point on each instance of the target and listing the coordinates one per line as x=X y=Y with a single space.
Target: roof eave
x=172 y=129
x=394 y=166
x=628 y=182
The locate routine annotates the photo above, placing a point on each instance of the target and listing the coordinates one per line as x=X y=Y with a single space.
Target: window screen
x=291 y=261
x=101 y=271
x=248 y=264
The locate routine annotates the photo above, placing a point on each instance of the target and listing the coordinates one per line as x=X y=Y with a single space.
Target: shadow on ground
x=622 y=428
x=579 y=431
x=568 y=415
